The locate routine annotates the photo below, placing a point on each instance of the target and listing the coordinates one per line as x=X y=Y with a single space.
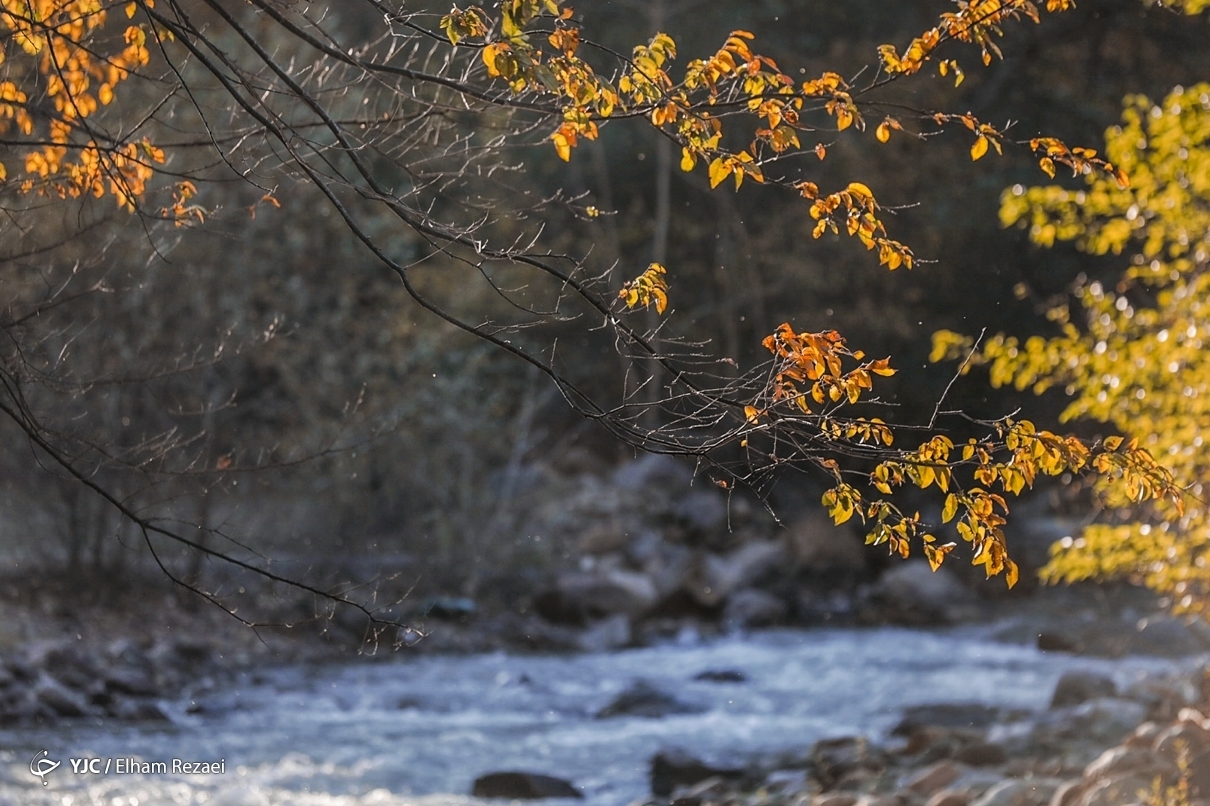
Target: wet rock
x=672 y=768
x=1067 y=794
x=1106 y=719
x=711 y=578
x=578 y=597
x=1165 y=696
x=607 y=634
x=645 y=700
x=929 y=780
x=721 y=676
x=522 y=786
x=834 y=760
x=1184 y=739
x=1166 y=637
x=1117 y=761
x=1114 y=791
x=136 y=710
x=1076 y=687
x=929 y=744
x=753 y=608
x=947 y=715
x=60 y=699
x=912 y=593
x=449 y=608
x=1019 y=792
x=836 y=799
x=1058 y=642
x=1199 y=774
x=981 y=754
x=949 y=797
x=130 y=680
x=69 y=664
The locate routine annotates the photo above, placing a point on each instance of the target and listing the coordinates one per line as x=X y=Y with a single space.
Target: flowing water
x=420 y=730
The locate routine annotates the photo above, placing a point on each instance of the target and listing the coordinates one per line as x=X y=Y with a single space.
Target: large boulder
x=819 y=546
x=753 y=608
x=1079 y=686
x=711 y=578
x=522 y=786
x=653 y=472
x=704 y=512
x=912 y=593
x=581 y=596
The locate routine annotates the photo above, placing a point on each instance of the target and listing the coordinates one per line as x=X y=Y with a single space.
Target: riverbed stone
x=672 y=768
x=949 y=797
x=835 y=799
x=1106 y=719
x=981 y=754
x=645 y=700
x=1079 y=686
x=1199 y=775
x=1183 y=738
x=523 y=786
x=1068 y=793
x=1117 y=761
x=130 y=680
x=1115 y=791
x=932 y=778
x=835 y=760
x=60 y=699
x=1019 y=792
x=751 y=607
x=721 y=676
x=946 y=715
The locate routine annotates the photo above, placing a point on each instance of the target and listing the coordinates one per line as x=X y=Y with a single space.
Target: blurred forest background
x=309 y=412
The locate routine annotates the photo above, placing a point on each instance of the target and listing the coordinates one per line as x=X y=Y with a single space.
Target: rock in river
x=644 y=699
x=522 y=786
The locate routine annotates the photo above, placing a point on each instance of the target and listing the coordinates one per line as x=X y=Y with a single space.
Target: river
x=418 y=730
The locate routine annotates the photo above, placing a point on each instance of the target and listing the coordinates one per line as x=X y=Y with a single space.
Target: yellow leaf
x=562 y=146
x=1011 y=573
x=821 y=150
x=950 y=509
x=688 y=161
x=718 y=172
x=751 y=413
x=979 y=148
x=3 y=172
x=131 y=8
x=883 y=132
x=490 y=53
x=661 y=299
x=1048 y=166
x=862 y=191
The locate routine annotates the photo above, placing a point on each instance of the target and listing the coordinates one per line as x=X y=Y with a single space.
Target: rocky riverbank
x=1095 y=746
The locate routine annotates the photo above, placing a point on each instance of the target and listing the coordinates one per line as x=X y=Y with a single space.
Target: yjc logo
x=42 y=766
